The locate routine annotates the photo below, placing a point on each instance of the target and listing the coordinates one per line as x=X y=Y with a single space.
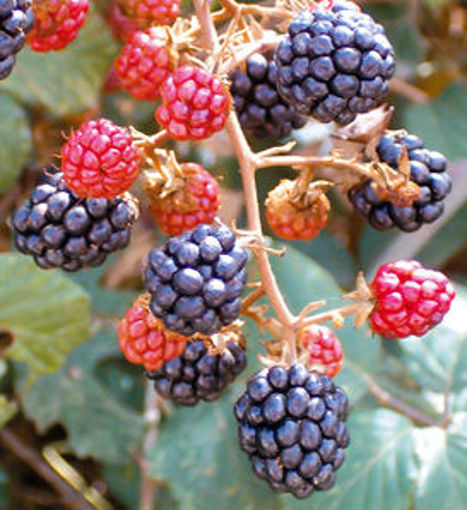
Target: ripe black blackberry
x=260 y=109
x=16 y=19
x=198 y=375
x=292 y=426
x=428 y=169
x=60 y=229
x=334 y=63
x=196 y=280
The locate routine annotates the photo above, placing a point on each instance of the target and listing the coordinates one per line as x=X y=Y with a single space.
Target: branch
x=70 y=498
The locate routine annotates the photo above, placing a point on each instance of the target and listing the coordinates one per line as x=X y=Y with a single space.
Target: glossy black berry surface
x=428 y=169
x=198 y=375
x=60 y=229
x=260 y=109
x=196 y=280
x=292 y=426
x=16 y=19
x=334 y=63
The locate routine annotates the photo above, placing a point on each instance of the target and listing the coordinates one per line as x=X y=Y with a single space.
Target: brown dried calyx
x=217 y=343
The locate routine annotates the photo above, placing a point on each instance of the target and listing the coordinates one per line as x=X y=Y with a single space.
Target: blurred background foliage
x=65 y=387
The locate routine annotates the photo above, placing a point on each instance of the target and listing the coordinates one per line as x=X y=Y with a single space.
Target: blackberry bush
x=60 y=229
x=260 y=109
x=292 y=427
x=198 y=374
x=428 y=169
x=334 y=63
x=196 y=280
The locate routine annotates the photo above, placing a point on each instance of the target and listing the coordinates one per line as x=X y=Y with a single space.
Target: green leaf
x=438 y=362
x=442 y=481
x=198 y=454
x=99 y=425
x=379 y=470
x=66 y=81
x=15 y=141
x=46 y=314
x=442 y=123
x=302 y=281
x=7 y=410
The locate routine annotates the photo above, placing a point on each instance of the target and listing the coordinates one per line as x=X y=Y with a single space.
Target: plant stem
x=69 y=497
x=331 y=314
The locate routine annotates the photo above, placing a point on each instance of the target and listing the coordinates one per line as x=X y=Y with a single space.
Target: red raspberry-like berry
x=145 y=341
x=410 y=299
x=145 y=63
x=152 y=12
x=324 y=347
x=57 y=23
x=195 y=104
x=100 y=160
x=295 y=220
x=122 y=26
x=195 y=203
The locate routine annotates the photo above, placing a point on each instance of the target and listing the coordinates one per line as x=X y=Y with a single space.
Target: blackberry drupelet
x=292 y=426
x=60 y=229
x=198 y=375
x=16 y=20
x=196 y=280
x=334 y=63
x=428 y=169
x=260 y=109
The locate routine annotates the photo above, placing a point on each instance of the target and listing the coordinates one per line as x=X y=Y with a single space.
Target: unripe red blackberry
x=144 y=340
x=299 y=219
x=199 y=374
x=260 y=109
x=195 y=202
x=100 y=160
x=196 y=280
x=334 y=63
x=145 y=63
x=195 y=104
x=16 y=20
x=122 y=26
x=409 y=299
x=60 y=229
x=151 y=12
x=324 y=349
x=428 y=169
x=57 y=23
x=292 y=426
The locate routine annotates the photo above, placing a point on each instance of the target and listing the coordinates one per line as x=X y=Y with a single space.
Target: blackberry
x=292 y=426
x=196 y=280
x=260 y=109
x=428 y=169
x=60 y=229
x=334 y=63
x=16 y=20
x=198 y=375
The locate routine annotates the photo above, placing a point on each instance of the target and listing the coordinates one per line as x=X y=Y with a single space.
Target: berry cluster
x=334 y=63
x=100 y=160
x=151 y=12
x=324 y=348
x=409 y=299
x=195 y=104
x=199 y=374
x=292 y=426
x=195 y=203
x=144 y=340
x=260 y=109
x=57 y=23
x=196 y=280
x=295 y=220
x=145 y=63
x=60 y=229
x=428 y=169
x=16 y=20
